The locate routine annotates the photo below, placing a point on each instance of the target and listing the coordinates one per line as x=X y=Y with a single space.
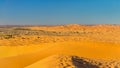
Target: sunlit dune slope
x=82 y=49
x=63 y=61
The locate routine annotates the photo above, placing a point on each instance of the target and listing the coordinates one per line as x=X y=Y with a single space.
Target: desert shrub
x=8 y=36
x=23 y=38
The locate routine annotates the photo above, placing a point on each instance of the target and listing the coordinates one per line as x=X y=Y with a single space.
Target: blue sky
x=59 y=12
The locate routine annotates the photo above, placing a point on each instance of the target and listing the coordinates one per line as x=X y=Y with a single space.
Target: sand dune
x=67 y=48
x=76 y=45
x=63 y=61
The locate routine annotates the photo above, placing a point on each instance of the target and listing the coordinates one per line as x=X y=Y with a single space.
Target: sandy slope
x=55 y=61
x=68 y=48
x=63 y=61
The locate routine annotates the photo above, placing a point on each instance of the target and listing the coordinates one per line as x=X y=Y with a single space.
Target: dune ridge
x=63 y=61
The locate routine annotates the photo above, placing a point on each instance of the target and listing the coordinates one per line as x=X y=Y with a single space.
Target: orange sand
x=88 y=46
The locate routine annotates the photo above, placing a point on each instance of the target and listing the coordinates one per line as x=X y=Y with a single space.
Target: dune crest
x=65 y=61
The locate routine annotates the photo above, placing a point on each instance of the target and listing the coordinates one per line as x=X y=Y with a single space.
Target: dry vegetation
x=87 y=44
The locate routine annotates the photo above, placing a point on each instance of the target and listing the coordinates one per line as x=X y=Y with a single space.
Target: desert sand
x=60 y=46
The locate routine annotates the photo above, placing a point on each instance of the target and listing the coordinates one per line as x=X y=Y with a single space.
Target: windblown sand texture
x=60 y=46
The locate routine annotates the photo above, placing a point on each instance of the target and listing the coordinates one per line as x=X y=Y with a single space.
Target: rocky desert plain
x=60 y=46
